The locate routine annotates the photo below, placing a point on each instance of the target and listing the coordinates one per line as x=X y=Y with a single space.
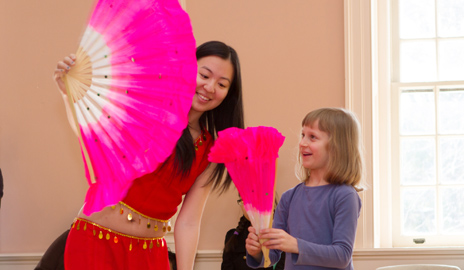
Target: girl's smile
x=314 y=145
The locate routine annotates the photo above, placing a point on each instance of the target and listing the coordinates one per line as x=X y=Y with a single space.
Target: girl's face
x=213 y=82
x=314 y=145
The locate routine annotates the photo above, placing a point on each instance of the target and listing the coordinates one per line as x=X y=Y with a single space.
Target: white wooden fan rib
x=124 y=124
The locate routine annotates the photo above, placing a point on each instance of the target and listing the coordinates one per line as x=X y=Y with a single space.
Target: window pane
x=417 y=112
x=450 y=19
x=451 y=59
x=418 y=211
x=452 y=209
x=418 y=61
x=417 y=18
x=451 y=111
x=417 y=161
x=451 y=160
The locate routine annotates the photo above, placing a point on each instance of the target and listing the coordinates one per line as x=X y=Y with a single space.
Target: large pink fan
x=131 y=90
x=250 y=158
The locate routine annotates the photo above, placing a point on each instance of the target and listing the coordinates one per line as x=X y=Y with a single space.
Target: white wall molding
x=408 y=254
x=364 y=259
x=19 y=261
x=20 y=257
x=209 y=256
x=358 y=98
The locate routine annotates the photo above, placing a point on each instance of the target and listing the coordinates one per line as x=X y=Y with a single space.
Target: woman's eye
x=222 y=85
x=203 y=76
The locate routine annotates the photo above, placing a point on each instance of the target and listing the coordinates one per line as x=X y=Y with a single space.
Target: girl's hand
x=279 y=239
x=62 y=68
x=253 y=246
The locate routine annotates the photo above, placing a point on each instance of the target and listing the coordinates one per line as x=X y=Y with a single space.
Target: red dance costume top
x=158 y=194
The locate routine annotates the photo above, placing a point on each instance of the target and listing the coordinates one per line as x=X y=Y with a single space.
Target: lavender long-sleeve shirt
x=323 y=219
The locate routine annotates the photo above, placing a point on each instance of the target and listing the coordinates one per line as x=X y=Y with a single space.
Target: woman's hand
x=279 y=239
x=62 y=68
x=252 y=245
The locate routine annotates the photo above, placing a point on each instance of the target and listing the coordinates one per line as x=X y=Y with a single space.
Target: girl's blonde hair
x=346 y=163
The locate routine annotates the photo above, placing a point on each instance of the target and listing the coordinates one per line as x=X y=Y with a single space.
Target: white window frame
x=396 y=86
x=403 y=240
x=367 y=76
x=367 y=93
x=359 y=98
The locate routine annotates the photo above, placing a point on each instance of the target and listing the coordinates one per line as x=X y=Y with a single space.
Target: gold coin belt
x=166 y=224
x=104 y=233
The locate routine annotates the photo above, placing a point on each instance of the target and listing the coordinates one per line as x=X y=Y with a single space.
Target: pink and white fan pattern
x=131 y=88
x=250 y=158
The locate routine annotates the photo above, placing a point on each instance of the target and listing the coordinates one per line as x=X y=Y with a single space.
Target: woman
x=130 y=235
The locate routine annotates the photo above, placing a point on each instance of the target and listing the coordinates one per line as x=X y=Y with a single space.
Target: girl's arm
x=187 y=227
x=338 y=254
x=62 y=69
x=254 y=253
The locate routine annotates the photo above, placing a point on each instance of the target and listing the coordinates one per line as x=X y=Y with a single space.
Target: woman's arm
x=187 y=227
x=62 y=68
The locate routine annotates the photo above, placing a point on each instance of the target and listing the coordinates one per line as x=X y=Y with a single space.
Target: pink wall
x=39 y=156
x=292 y=57
x=292 y=62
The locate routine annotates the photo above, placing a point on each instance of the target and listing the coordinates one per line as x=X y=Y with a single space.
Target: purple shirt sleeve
x=323 y=220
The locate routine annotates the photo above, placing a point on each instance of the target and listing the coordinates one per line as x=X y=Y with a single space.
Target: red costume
x=155 y=197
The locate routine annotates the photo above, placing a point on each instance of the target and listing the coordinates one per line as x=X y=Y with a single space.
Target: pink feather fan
x=250 y=158
x=130 y=92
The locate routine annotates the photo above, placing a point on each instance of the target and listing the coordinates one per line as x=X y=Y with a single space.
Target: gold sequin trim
x=111 y=231
x=145 y=216
x=198 y=142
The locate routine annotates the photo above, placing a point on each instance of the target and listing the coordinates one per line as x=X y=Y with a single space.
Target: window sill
x=409 y=253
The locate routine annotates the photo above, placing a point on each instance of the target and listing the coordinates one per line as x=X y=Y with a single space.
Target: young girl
x=131 y=235
x=315 y=222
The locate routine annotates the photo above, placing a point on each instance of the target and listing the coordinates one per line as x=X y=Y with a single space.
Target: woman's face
x=214 y=78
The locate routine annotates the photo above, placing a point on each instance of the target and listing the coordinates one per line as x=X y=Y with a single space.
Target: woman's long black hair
x=228 y=114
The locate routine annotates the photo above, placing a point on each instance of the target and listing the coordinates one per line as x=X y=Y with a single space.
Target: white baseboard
x=19 y=261
x=206 y=259
x=367 y=259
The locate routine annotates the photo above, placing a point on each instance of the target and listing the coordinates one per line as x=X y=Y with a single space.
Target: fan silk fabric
x=158 y=194
x=250 y=158
x=131 y=88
